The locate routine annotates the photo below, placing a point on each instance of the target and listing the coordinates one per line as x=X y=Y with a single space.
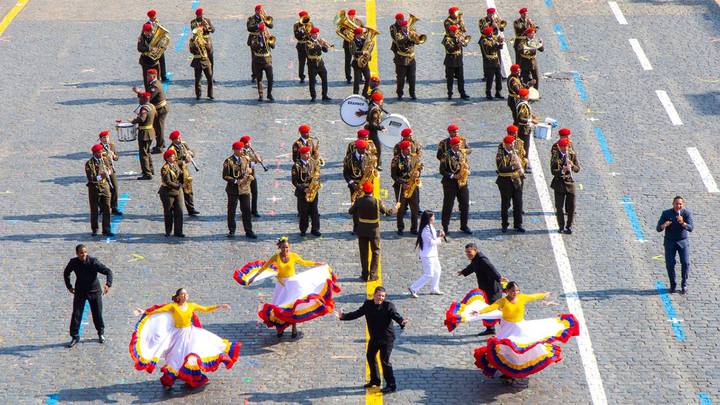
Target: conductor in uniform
x=238 y=175
x=562 y=166
x=302 y=177
x=97 y=172
x=171 y=194
x=510 y=162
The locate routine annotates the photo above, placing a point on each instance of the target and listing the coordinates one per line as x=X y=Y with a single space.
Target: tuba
x=370 y=173
x=345 y=27
x=414 y=181
x=418 y=39
x=464 y=171
x=199 y=40
x=315 y=184
x=533 y=44
x=367 y=46
x=159 y=42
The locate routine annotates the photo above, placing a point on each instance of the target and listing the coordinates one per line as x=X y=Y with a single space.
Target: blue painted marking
x=169 y=79
x=180 y=43
x=561 y=38
x=672 y=315
x=604 y=145
x=704 y=398
x=548 y=3
x=195 y=4
x=84 y=318
x=52 y=399
x=580 y=86
x=632 y=216
x=115 y=221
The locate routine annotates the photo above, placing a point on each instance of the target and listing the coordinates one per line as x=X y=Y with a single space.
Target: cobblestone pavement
x=68 y=70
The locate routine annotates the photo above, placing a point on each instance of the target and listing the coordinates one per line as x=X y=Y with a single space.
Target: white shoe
x=413 y=293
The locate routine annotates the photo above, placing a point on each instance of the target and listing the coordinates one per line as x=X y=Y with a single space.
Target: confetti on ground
x=136 y=257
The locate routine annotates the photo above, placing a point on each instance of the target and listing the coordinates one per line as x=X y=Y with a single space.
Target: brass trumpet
x=418 y=39
x=345 y=27
x=268 y=20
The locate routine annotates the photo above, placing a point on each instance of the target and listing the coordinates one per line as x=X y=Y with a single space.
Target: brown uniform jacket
x=252 y=26
x=110 y=153
x=488 y=22
x=405 y=49
x=400 y=168
x=302 y=175
x=300 y=34
x=143 y=45
x=554 y=149
x=444 y=147
x=367 y=209
x=528 y=54
x=235 y=169
x=311 y=142
x=415 y=147
x=198 y=61
x=453 y=51
x=356 y=48
x=157 y=97
x=171 y=179
x=208 y=28
x=490 y=49
x=449 y=166
x=514 y=84
x=314 y=52
x=506 y=166
x=352 y=167
x=351 y=148
x=524 y=114
x=452 y=21
x=93 y=168
x=563 y=181
x=146 y=132
x=374 y=118
x=261 y=50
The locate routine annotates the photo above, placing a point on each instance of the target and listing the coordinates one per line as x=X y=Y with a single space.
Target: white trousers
x=431 y=272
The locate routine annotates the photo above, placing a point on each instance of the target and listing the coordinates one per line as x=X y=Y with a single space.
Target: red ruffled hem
x=194 y=376
x=271 y=314
x=453 y=317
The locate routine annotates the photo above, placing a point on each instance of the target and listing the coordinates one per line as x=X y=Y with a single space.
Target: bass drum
x=350 y=106
x=534 y=94
x=394 y=124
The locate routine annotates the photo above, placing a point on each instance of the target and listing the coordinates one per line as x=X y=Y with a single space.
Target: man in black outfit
x=378 y=315
x=87 y=287
x=488 y=278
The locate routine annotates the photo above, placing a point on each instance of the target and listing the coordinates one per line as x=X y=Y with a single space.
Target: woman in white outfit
x=427 y=241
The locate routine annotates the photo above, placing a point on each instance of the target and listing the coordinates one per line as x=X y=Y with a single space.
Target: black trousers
x=163 y=71
x=95 y=300
x=314 y=70
x=491 y=71
x=211 y=56
x=308 y=212
x=348 y=61
x=254 y=195
x=208 y=77
x=378 y=146
x=509 y=193
x=302 y=58
x=365 y=74
x=403 y=73
x=512 y=103
x=99 y=202
x=159 y=126
x=146 y=165
x=524 y=134
x=529 y=70
x=452 y=191
x=455 y=73
x=244 y=200
x=258 y=70
x=413 y=203
x=172 y=211
x=369 y=265
x=385 y=349
x=567 y=200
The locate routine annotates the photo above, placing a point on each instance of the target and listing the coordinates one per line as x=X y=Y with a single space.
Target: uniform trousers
x=146 y=165
x=348 y=61
x=254 y=195
x=113 y=191
x=99 y=202
x=159 y=126
x=413 y=203
x=455 y=73
x=316 y=69
x=208 y=77
x=302 y=58
x=172 y=211
x=491 y=71
x=529 y=69
x=510 y=193
x=244 y=200
x=512 y=104
x=567 y=200
x=359 y=72
x=308 y=213
x=369 y=265
x=403 y=73
x=452 y=191
x=258 y=69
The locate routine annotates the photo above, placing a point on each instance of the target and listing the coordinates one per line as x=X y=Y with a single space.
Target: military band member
x=526 y=119
x=302 y=176
x=493 y=21
x=346 y=47
x=306 y=139
x=143 y=46
x=562 y=165
x=146 y=134
x=514 y=84
x=110 y=154
x=454 y=18
x=511 y=161
x=362 y=134
x=301 y=30
x=415 y=146
x=454 y=44
x=402 y=167
x=97 y=173
x=201 y=21
x=405 y=65
x=562 y=133
x=490 y=47
x=444 y=145
x=528 y=58
x=512 y=130
x=184 y=158
x=374 y=88
x=262 y=61
x=353 y=165
x=520 y=26
x=159 y=101
x=451 y=169
x=356 y=48
x=238 y=175
x=254 y=160
x=201 y=63
x=367 y=210
x=171 y=194
x=314 y=48
x=253 y=23
x=375 y=117
x=153 y=21
x=394 y=29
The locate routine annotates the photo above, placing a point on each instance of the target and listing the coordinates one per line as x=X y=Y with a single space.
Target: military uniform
x=353 y=169
x=454 y=65
x=495 y=22
x=159 y=100
x=262 y=62
x=300 y=142
x=528 y=63
x=253 y=161
x=555 y=149
x=401 y=167
x=98 y=194
x=316 y=66
x=356 y=48
x=514 y=84
x=371 y=149
x=252 y=24
x=405 y=66
x=171 y=196
x=146 y=62
x=524 y=124
x=394 y=30
x=183 y=157
x=110 y=154
x=302 y=172
x=202 y=64
x=415 y=148
x=449 y=169
x=348 y=52
x=367 y=209
x=563 y=185
x=161 y=60
x=510 y=183
x=235 y=173
x=450 y=21
x=302 y=38
x=520 y=26
x=208 y=29
x=490 y=48
x=374 y=118
x=444 y=147
x=146 y=133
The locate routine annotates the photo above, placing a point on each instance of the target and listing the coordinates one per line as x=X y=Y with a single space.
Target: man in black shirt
x=87 y=287
x=379 y=315
x=488 y=278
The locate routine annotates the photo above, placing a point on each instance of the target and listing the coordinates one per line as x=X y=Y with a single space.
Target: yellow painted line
x=9 y=17
x=372 y=23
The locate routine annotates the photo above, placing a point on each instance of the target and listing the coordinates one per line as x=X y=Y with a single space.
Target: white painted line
x=644 y=62
x=618 y=13
x=669 y=107
x=705 y=174
x=504 y=53
x=592 y=373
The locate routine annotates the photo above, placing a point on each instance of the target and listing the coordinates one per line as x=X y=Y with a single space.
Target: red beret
x=487 y=31
x=564 y=142
x=455 y=140
x=152 y=71
x=174 y=135
x=245 y=139
x=406 y=132
x=168 y=153
x=199 y=11
x=303 y=13
x=405 y=145
x=96 y=148
x=368 y=187
x=238 y=145
x=530 y=30
x=314 y=30
x=453 y=28
x=358 y=30
x=523 y=92
x=258 y=7
x=509 y=139
x=374 y=79
x=304 y=128
x=104 y=133
x=491 y=10
x=145 y=95
x=377 y=97
x=399 y=16
x=304 y=150
x=351 y=12
x=147 y=27
x=361 y=144
x=523 y=10
x=403 y=23
x=453 y=9
x=453 y=127
x=511 y=129
x=261 y=27
x=515 y=68
x=151 y=13
x=564 y=132
x=362 y=133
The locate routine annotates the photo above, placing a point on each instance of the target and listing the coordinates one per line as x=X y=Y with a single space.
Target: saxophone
x=464 y=172
x=315 y=184
x=414 y=180
x=370 y=172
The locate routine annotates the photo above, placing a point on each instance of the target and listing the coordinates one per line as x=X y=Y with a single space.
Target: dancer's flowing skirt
x=462 y=312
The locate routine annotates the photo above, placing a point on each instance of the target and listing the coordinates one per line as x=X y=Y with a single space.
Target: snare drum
x=394 y=124
x=350 y=106
x=543 y=131
x=126 y=131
